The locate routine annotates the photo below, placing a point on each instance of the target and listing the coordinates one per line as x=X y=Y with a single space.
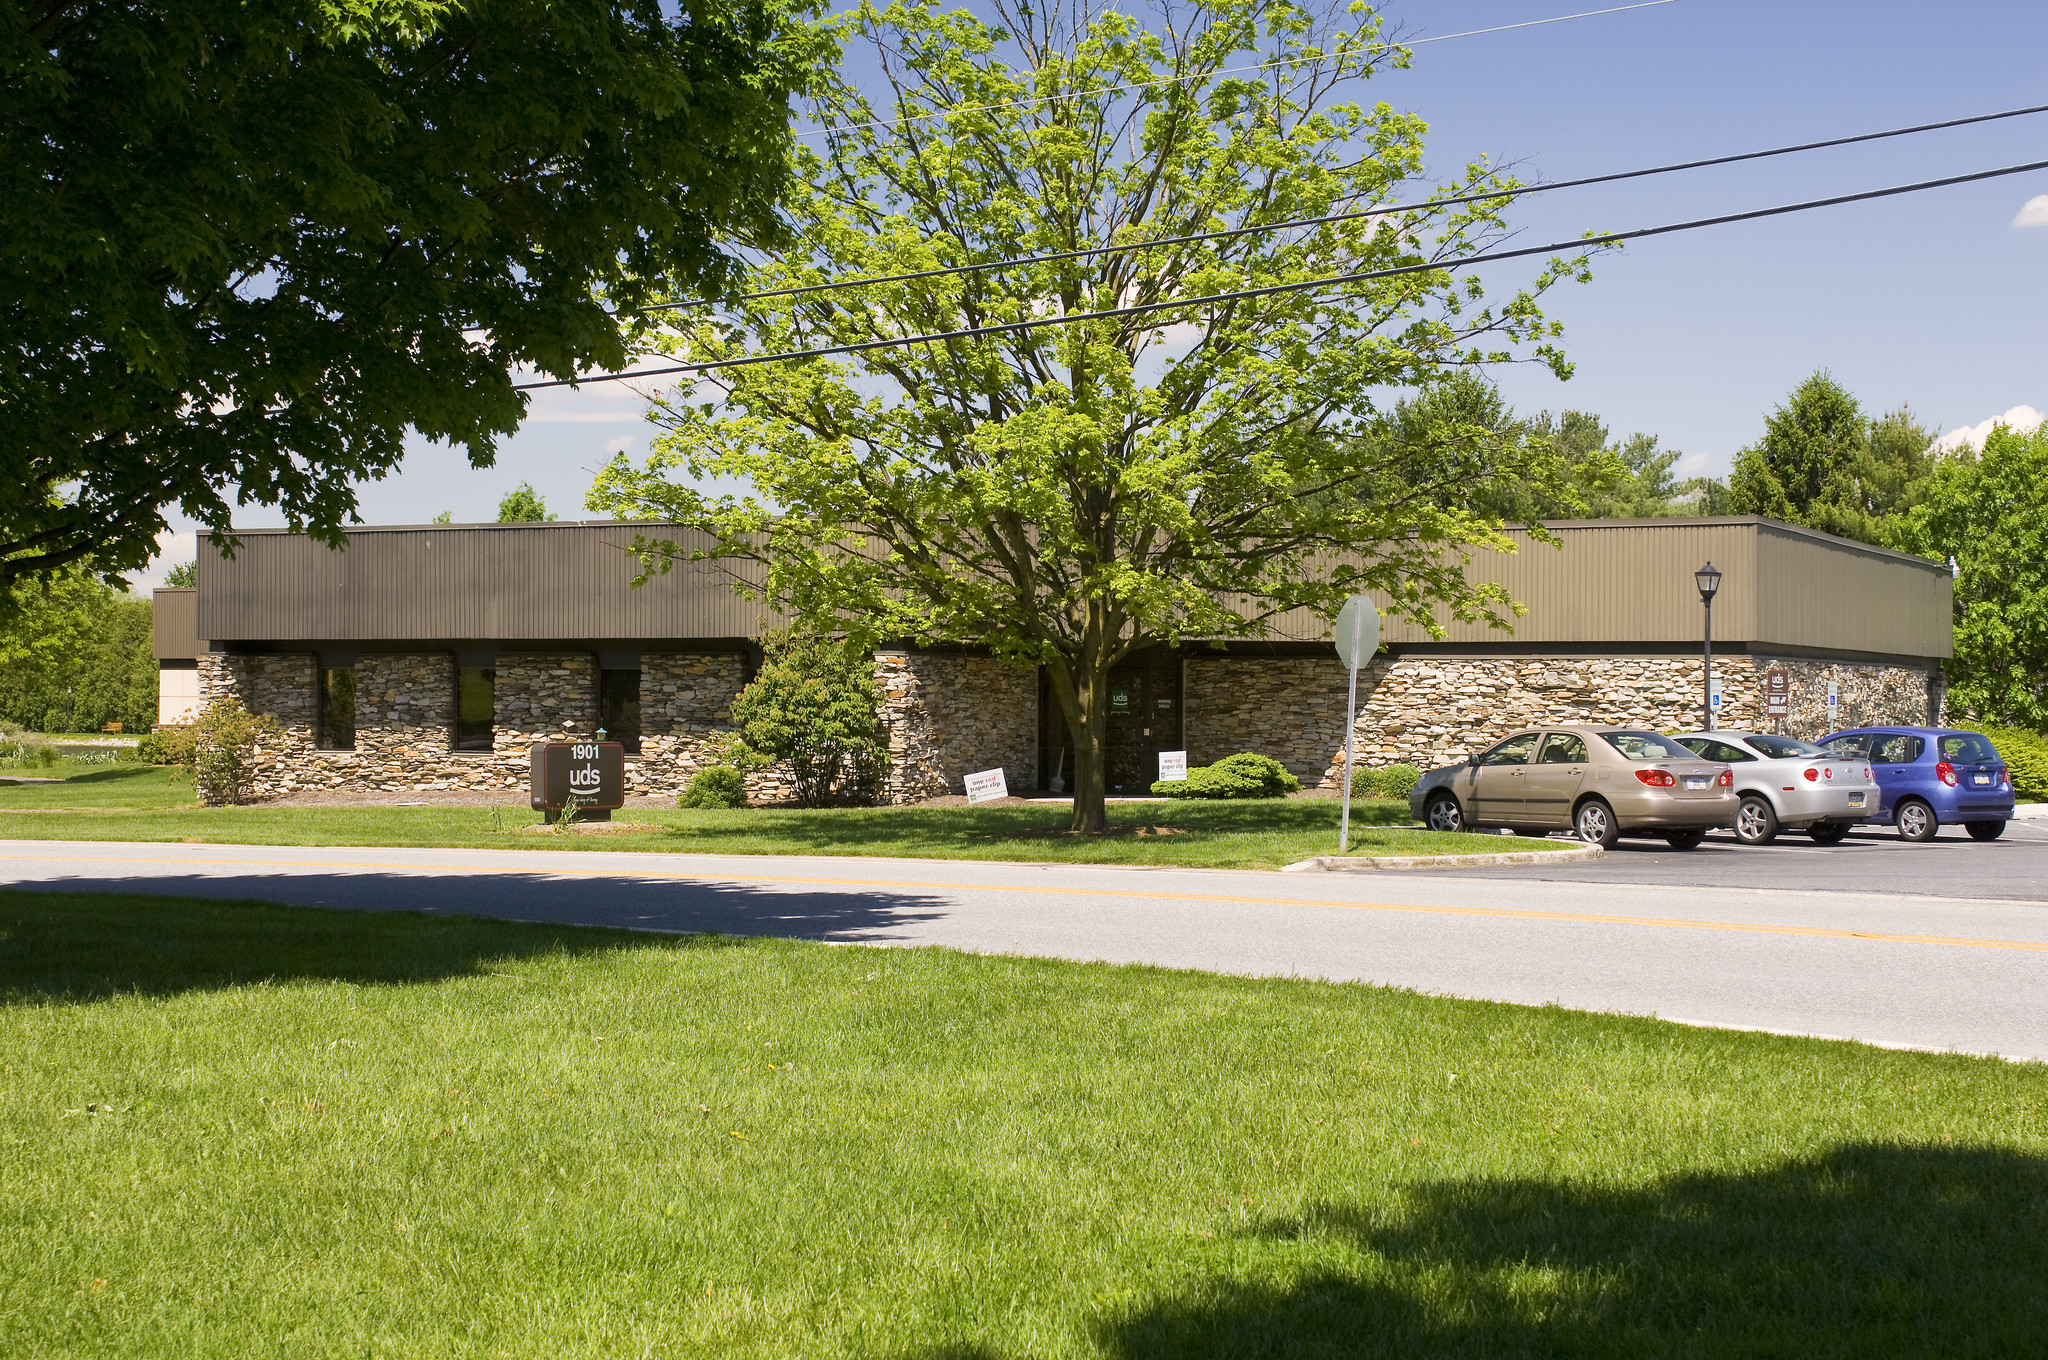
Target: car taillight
x=1657 y=779
x=1827 y=772
x=2004 y=776
x=1946 y=773
x=1727 y=779
x=1813 y=776
x=1868 y=775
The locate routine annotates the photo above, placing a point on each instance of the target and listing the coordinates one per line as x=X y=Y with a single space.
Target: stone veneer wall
x=278 y=685
x=948 y=714
x=1429 y=711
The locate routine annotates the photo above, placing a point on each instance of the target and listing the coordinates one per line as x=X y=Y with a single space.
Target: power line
x=1388 y=210
x=1222 y=71
x=1011 y=327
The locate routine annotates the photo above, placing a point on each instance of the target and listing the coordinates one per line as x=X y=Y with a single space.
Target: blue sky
x=1930 y=299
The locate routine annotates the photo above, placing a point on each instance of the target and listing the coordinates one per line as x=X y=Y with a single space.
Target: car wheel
x=1828 y=833
x=1984 y=831
x=1757 y=821
x=1915 y=821
x=1685 y=840
x=1444 y=814
x=1594 y=821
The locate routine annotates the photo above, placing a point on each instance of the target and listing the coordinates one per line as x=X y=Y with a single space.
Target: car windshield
x=1645 y=746
x=1784 y=748
x=1967 y=748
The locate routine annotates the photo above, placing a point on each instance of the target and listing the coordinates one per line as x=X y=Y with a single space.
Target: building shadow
x=1867 y=1251
x=84 y=939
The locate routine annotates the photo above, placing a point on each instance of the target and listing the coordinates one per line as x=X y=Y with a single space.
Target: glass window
x=338 y=708
x=618 y=707
x=1791 y=748
x=1967 y=748
x=1513 y=751
x=1645 y=746
x=1897 y=750
x=1706 y=748
x=1856 y=747
x=475 y=707
x=1562 y=748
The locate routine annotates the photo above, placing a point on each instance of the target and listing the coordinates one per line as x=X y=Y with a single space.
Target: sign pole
x=1350 y=732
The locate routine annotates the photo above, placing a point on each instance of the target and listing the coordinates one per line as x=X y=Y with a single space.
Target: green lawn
x=249 y=1130
x=143 y=803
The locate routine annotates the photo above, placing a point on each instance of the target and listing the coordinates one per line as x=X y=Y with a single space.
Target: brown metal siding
x=173 y=626
x=474 y=582
x=1819 y=595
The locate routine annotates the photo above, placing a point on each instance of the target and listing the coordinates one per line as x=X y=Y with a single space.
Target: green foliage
x=523 y=505
x=445 y=517
x=1064 y=496
x=227 y=740
x=1244 y=775
x=1821 y=464
x=171 y=745
x=75 y=654
x=714 y=786
x=183 y=575
x=1393 y=781
x=252 y=247
x=815 y=704
x=2026 y=758
x=1989 y=512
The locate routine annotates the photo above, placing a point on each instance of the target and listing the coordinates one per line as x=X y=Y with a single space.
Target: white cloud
x=2033 y=213
x=2024 y=419
x=1692 y=465
x=171 y=549
x=621 y=444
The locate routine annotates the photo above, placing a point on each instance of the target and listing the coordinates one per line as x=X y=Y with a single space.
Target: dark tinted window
x=1645 y=746
x=475 y=708
x=1789 y=748
x=1562 y=748
x=1706 y=748
x=1896 y=749
x=1513 y=751
x=338 y=708
x=618 y=707
x=1967 y=748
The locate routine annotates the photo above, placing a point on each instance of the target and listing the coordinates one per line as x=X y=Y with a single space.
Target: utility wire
x=1386 y=211
x=1011 y=327
x=1222 y=71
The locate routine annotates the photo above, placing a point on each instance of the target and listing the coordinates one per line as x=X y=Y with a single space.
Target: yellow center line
x=1508 y=913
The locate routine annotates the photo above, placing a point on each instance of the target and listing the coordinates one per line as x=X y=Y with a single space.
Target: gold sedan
x=1601 y=782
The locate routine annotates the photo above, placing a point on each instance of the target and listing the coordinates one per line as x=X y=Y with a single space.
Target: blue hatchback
x=1931 y=777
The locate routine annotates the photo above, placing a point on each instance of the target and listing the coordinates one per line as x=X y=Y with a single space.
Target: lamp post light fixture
x=1709 y=582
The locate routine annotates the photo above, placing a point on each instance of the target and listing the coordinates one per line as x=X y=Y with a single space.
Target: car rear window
x=1791 y=748
x=1706 y=748
x=1645 y=746
x=1854 y=747
x=1967 y=748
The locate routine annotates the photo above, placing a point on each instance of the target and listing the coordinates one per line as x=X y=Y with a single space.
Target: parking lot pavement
x=1871 y=860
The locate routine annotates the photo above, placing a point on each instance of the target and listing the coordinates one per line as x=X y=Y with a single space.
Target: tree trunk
x=1082 y=688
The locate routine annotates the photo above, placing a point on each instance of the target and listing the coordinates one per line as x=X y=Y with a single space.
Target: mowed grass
x=237 y=1129
x=141 y=803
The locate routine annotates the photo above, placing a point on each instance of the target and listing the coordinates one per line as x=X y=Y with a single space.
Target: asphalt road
x=1638 y=933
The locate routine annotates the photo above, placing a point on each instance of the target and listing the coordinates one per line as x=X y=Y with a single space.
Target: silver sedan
x=1785 y=783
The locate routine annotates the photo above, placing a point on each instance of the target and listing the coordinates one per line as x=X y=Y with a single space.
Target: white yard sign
x=1173 y=765
x=986 y=786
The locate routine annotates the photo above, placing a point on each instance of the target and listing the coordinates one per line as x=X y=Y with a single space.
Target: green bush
x=227 y=742
x=1244 y=775
x=815 y=704
x=714 y=786
x=2026 y=755
x=166 y=746
x=1393 y=781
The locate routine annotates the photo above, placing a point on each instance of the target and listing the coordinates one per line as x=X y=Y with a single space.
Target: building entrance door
x=1144 y=719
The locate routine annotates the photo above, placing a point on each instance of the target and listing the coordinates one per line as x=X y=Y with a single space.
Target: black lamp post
x=1709 y=582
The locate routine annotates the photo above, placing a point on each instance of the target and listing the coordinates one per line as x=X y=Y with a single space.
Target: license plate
x=1980 y=779
x=1698 y=781
x=1855 y=800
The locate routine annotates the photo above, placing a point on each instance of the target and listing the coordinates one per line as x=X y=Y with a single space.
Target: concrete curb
x=1348 y=863
x=2031 y=812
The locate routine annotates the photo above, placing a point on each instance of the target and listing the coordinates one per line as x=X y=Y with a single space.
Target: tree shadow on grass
x=61 y=944
x=1876 y=1252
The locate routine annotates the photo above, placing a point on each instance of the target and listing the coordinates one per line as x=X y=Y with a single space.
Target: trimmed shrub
x=815 y=704
x=1244 y=775
x=714 y=786
x=1393 y=781
x=2026 y=756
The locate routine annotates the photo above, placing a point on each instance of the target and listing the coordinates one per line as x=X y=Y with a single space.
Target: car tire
x=1915 y=821
x=1984 y=831
x=1828 y=833
x=1688 y=839
x=1594 y=821
x=1756 y=822
x=1444 y=814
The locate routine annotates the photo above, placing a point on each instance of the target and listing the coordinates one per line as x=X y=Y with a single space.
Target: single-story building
x=431 y=656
